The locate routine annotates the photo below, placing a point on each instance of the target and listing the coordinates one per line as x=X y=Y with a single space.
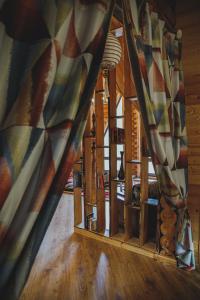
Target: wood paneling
x=188 y=19
x=71 y=267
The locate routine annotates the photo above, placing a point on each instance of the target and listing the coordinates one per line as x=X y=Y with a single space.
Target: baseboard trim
x=126 y=246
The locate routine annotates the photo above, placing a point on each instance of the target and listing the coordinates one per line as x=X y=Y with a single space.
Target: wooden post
x=87 y=167
x=113 y=154
x=78 y=218
x=143 y=187
x=100 y=193
x=130 y=138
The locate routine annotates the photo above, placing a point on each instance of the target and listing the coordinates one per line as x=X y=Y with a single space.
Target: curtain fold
x=50 y=53
x=155 y=57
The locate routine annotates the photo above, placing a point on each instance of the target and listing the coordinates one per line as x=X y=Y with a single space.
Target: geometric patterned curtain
x=50 y=53
x=155 y=56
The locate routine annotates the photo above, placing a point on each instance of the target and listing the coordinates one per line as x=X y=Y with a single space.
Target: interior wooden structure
x=129 y=224
x=148 y=228
x=142 y=229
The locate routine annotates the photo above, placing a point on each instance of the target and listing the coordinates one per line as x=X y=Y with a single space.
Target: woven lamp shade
x=111 y=57
x=112 y=52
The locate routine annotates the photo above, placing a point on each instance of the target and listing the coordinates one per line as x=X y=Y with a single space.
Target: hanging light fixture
x=111 y=57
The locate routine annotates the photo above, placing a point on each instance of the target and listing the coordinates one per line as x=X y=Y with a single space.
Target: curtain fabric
x=155 y=56
x=50 y=53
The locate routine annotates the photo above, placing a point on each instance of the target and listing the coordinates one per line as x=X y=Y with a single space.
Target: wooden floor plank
x=71 y=267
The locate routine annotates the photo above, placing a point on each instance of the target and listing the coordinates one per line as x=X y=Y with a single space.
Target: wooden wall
x=188 y=19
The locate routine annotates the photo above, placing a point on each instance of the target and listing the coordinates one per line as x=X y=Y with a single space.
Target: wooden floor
x=70 y=267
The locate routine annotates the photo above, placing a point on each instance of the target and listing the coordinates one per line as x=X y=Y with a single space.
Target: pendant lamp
x=111 y=57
